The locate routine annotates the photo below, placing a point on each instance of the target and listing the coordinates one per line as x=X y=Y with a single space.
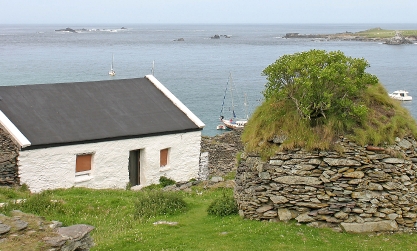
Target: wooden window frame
x=83 y=163
x=164 y=157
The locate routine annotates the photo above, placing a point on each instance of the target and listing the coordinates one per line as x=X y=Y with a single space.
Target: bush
x=223 y=206
x=157 y=202
x=24 y=188
x=312 y=98
x=164 y=181
x=321 y=84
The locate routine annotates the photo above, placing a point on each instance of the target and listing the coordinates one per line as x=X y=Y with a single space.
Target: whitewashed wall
x=54 y=167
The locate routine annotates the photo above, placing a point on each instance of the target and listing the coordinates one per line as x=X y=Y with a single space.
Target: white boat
x=401 y=95
x=221 y=127
x=112 y=72
x=232 y=122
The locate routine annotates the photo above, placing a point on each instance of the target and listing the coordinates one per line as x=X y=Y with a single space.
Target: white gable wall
x=54 y=167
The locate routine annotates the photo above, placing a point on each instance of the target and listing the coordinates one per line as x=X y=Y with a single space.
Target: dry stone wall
x=222 y=150
x=8 y=160
x=361 y=189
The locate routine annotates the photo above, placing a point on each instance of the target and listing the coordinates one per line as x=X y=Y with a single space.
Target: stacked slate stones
x=8 y=160
x=357 y=189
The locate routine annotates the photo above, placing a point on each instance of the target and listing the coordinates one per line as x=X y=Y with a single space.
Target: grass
x=386 y=119
x=112 y=214
x=381 y=33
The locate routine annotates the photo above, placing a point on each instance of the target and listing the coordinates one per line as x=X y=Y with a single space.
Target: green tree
x=312 y=98
x=320 y=84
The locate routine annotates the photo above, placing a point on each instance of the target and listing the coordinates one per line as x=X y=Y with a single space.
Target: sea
x=186 y=59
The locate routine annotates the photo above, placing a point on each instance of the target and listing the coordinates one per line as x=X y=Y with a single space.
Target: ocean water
x=195 y=70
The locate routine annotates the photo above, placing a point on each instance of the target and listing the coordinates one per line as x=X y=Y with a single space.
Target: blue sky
x=206 y=11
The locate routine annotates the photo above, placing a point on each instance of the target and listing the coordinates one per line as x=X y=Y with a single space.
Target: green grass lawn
x=111 y=212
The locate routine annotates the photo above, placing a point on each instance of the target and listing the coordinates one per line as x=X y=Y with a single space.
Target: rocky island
x=67 y=30
x=390 y=37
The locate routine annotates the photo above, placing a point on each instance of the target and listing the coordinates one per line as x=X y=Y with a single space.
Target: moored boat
x=234 y=122
x=221 y=127
x=401 y=95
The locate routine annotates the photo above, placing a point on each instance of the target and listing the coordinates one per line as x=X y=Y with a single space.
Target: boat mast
x=246 y=106
x=112 y=72
x=112 y=60
x=231 y=94
x=224 y=98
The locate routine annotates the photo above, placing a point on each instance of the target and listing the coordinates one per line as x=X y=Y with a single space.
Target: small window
x=83 y=163
x=163 y=157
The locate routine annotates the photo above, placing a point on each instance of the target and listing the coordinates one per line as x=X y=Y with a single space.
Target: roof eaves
x=13 y=131
x=32 y=147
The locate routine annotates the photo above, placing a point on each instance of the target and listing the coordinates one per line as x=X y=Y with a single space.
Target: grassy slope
x=381 y=33
x=111 y=212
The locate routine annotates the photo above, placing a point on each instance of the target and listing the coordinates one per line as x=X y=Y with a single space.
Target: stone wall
x=8 y=160
x=361 y=189
x=222 y=150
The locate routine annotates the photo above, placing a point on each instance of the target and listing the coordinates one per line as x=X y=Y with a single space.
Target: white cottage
x=100 y=134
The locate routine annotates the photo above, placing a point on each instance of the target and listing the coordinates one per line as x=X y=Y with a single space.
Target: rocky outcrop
x=356 y=189
x=398 y=39
x=8 y=161
x=67 y=30
x=298 y=35
x=349 y=36
x=30 y=232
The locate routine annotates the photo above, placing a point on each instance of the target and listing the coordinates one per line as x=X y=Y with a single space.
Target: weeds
x=158 y=203
x=223 y=206
x=39 y=204
x=128 y=186
x=164 y=181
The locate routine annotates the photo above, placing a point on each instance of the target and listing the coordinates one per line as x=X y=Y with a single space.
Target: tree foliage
x=320 y=84
x=312 y=98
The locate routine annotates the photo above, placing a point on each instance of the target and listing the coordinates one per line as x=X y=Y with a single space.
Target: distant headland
x=392 y=37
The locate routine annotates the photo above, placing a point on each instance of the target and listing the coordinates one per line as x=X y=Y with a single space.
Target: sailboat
x=112 y=72
x=233 y=122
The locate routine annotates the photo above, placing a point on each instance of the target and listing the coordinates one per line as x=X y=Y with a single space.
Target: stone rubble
x=72 y=238
x=356 y=190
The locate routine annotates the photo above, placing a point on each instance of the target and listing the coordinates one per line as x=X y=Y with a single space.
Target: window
x=163 y=157
x=83 y=163
x=83 y=166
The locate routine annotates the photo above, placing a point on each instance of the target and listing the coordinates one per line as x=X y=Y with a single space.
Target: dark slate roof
x=65 y=113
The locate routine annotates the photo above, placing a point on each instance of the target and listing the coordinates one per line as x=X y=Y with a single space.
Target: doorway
x=134 y=167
